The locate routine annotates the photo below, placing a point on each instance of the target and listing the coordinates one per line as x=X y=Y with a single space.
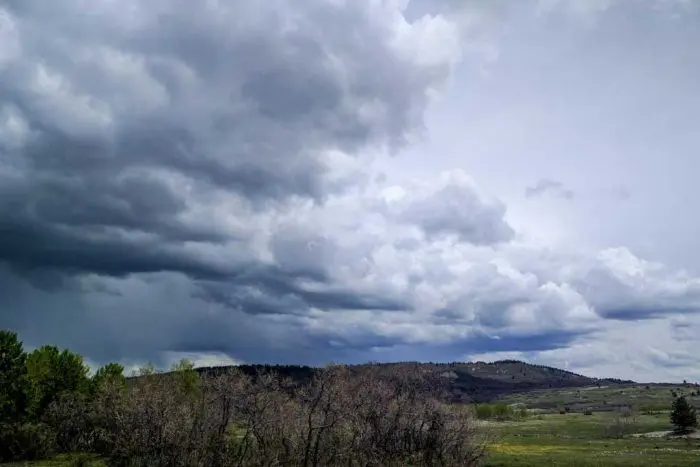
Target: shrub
x=372 y=415
x=70 y=416
x=624 y=422
x=483 y=411
x=653 y=409
x=336 y=418
x=26 y=441
x=499 y=411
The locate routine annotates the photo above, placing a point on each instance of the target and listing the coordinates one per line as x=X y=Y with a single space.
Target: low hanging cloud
x=186 y=179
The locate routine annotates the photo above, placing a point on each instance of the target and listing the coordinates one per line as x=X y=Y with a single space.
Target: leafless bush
x=624 y=422
x=361 y=419
x=343 y=416
x=159 y=421
x=393 y=423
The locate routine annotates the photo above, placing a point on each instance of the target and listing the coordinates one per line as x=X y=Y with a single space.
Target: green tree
x=13 y=378
x=109 y=373
x=52 y=373
x=149 y=369
x=683 y=416
x=186 y=377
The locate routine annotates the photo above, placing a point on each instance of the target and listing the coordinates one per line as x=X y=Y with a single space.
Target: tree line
x=49 y=403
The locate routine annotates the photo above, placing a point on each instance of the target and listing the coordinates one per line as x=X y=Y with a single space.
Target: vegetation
x=499 y=411
x=579 y=440
x=648 y=399
x=467 y=382
x=683 y=416
x=361 y=415
x=339 y=416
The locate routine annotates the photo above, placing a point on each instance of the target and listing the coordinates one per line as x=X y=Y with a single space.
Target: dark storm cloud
x=237 y=97
x=274 y=292
x=143 y=139
x=523 y=342
x=387 y=350
x=178 y=176
x=120 y=108
x=648 y=311
x=30 y=246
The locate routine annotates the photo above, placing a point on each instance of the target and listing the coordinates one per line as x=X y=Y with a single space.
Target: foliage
x=46 y=400
x=683 y=415
x=26 y=441
x=338 y=415
x=53 y=372
x=111 y=373
x=70 y=416
x=13 y=378
x=499 y=411
x=186 y=377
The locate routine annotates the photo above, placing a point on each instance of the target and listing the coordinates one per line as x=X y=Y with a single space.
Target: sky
x=320 y=181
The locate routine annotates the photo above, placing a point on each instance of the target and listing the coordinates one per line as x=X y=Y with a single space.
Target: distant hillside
x=468 y=382
x=480 y=381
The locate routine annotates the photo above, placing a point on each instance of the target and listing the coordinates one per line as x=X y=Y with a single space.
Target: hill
x=468 y=381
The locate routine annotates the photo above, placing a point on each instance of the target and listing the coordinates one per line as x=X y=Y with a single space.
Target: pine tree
x=683 y=415
x=13 y=378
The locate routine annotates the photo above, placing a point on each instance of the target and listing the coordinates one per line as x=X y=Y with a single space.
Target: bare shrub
x=158 y=422
x=392 y=423
x=623 y=423
x=347 y=416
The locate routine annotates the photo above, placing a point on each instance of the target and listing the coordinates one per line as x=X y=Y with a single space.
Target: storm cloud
x=240 y=179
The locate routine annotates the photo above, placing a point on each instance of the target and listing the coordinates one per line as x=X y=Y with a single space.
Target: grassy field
x=575 y=439
x=572 y=439
x=602 y=439
x=646 y=398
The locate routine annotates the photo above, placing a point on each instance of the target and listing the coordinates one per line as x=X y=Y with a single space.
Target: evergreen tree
x=13 y=378
x=683 y=416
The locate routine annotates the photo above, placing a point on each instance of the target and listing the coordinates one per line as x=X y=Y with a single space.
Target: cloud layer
x=203 y=180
